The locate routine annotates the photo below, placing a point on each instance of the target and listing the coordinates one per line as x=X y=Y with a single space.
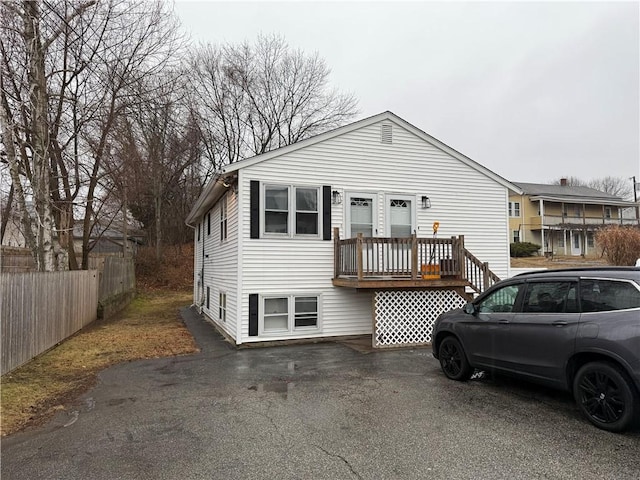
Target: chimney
x=563 y=182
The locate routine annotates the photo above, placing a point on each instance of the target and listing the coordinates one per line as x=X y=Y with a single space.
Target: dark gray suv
x=574 y=329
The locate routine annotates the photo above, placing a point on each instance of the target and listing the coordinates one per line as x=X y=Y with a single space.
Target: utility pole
x=635 y=199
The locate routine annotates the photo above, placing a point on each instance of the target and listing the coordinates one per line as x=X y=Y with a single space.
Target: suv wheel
x=453 y=360
x=605 y=396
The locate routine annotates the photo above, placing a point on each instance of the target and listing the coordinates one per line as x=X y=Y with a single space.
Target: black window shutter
x=254 y=199
x=253 y=314
x=326 y=212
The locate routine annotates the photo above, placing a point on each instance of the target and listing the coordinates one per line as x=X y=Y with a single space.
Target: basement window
x=289 y=314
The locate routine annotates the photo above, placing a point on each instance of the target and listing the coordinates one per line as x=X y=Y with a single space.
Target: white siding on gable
x=464 y=202
x=220 y=264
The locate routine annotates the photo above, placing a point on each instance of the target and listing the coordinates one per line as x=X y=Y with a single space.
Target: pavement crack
x=335 y=455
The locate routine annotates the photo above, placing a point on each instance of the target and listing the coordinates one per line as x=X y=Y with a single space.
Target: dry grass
x=149 y=327
x=556 y=262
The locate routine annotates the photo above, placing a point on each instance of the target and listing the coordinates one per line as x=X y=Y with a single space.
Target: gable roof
x=212 y=191
x=384 y=116
x=569 y=193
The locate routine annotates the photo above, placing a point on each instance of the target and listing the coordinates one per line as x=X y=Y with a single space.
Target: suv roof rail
x=581 y=269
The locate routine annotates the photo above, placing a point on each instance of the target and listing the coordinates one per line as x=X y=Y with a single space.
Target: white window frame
x=561 y=239
x=591 y=239
x=291 y=304
x=222 y=307
x=514 y=209
x=292 y=211
x=412 y=199
x=374 y=213
x=608 y=212
x=224 y=224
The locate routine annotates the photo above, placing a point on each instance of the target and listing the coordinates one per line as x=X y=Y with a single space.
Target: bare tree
x=618 y=186
x=159 y=151
x=257 y=97
x=61 y=105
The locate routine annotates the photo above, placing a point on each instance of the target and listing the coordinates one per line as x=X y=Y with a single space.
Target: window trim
x=222 y=306
x=292 y=211
x=224 y=216
x=513 y=210
x=291 y=328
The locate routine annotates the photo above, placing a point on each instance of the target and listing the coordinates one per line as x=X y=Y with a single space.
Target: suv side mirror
x=470 y=308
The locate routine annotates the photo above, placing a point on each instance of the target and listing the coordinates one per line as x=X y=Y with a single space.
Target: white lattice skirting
x=406 y=317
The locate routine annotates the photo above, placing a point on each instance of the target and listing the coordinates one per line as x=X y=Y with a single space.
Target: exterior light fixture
x=426 y=202
x=336 y=198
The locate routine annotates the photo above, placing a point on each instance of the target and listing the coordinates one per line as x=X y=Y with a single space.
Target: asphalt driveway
x=322 y=411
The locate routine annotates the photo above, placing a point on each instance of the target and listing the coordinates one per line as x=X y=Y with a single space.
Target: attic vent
x=386 y=133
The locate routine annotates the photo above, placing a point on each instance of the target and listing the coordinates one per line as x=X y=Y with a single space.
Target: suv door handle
x=559 y=323
x=503 y=321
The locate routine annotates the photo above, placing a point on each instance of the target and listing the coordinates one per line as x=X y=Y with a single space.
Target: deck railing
x=368 y=258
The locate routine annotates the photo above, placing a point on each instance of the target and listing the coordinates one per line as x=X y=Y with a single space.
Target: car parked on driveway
x=573 y=329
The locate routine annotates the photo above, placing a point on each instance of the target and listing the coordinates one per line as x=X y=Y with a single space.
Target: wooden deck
x=408 y=263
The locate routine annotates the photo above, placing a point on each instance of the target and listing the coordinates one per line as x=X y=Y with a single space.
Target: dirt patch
x=150 y=327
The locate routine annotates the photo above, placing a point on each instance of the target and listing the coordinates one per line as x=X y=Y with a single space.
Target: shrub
x=174 y=270
x=524 y=249
x=620 y=244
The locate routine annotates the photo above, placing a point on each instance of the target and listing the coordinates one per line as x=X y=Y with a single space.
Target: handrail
x=409 y=258
x=478 y=273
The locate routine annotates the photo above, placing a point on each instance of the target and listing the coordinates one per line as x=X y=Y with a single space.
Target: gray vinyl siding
x=220 y=267
x=464 y=201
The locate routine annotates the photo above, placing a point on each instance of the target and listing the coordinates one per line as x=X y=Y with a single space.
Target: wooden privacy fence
x=117 y=276
x=39 y=310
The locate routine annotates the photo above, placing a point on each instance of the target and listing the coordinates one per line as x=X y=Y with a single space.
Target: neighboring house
x=563 y=219
x=333 y=236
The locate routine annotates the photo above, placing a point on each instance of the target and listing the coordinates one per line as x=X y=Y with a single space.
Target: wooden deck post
x=485 y=276
x=359 y=256
x=462 y=262
x=414 y=256
x=337 y=261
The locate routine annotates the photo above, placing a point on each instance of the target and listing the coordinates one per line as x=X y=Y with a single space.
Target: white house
x=334 y=236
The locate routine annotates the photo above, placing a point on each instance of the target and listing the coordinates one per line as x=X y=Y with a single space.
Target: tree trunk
x=40 y=132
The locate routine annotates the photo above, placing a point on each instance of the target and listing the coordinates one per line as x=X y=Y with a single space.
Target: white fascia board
x=209 y=196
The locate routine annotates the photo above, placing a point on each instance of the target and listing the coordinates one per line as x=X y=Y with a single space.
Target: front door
x=400 y=224
x=576 y=248
x=361 y=215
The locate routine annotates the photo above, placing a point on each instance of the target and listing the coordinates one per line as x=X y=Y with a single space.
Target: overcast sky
x=534 y=91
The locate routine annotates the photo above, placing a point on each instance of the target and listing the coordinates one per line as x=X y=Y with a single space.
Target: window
x=514 y=209
x=607 y=212
x=561 y=239
x=276 y=209
x=590 y=240
x=502 y=300
x=290 y=313
x=222 y=307
x=604 y=295
x=305 y=203
x=550 y=297
x=516 y=236
x=578 y=211
x=223 y=219
x=306 y=312
x=306 y=211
